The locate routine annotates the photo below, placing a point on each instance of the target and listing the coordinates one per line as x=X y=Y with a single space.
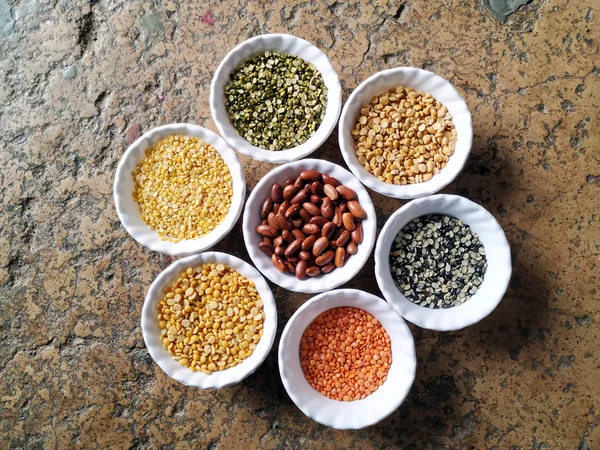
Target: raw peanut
x=278 y=263
x=277 y=193
x=313 y=271
x=291 y=211
x=340 y=256
x=266 y=230
x=327 y=208
x=328 y=268
x=315 y=199
x=325 y=258
x=341 y=241
x=288 y=236
x=348 y=221
x=300 y=197
x=298 y=222
x=266 y=247
x=289 y=266
x=356 y=210
x=283 y=223
x=310 y=175
x=301 y=267
x=289 y=191
x=272 y=222
x=316 y=188
x=304 y=215
x=330 y=180
x=293 y=248
x=310 y=228
x=346 y=192
x=266 y=208
x=298 y=234
x=351 y=248
x=311 y=209
x=308 y=243
x=357 y=234
x=320 y=245
x=328 y=230
x=304 y=255
x=337 y=217
x=279 y=250
x=278 y=241
x=288 y=182
x=331 y=192
x=319 y=220
x=283 y=208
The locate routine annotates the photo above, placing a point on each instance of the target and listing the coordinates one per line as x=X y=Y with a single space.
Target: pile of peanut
x=310 y=225
x=404 y=136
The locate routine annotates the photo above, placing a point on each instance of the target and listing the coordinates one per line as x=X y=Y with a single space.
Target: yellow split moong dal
x=183 y=188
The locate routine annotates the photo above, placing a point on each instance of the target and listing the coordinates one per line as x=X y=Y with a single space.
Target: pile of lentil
x=276 y=101
x=404 y=136
x=437 y=261
x=345 y=354
x=183 y=188
x=211 y=318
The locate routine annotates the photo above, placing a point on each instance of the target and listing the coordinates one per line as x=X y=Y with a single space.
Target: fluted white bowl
x=251 y=220
x=359 y=413
x=129 y=212
x=151 y=330
x=497 y=253
x=424 y=81
x=280 y=43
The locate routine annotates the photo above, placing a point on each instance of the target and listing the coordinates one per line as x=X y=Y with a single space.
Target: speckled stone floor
x=82 y=79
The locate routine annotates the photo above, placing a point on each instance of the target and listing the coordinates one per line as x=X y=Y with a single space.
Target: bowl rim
x=131 y=218
x=275 y=42
x=344 y=415
x=496 y=278
x=459 y=111
x=320 y=283
x=165 y=361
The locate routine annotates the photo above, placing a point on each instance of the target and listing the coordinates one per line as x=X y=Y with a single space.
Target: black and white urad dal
x=437 y=261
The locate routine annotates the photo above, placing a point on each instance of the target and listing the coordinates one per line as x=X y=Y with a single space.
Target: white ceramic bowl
x=497 y=252
x=424 y=81
x=359 y=413
x=280 y=43
x=163 y=358
x=129 y=211
x=252 y=220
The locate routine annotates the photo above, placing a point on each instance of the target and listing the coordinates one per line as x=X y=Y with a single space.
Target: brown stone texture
x=80 y=80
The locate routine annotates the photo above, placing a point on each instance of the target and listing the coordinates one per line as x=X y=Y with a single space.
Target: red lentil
x=345 y=354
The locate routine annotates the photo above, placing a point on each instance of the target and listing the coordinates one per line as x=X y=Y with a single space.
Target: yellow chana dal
x=183 y=188
x=211 y=318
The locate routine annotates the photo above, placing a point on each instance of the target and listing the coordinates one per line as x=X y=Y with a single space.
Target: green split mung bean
x=276 y=101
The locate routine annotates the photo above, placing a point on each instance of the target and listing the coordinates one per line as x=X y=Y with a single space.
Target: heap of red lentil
x=345 y=354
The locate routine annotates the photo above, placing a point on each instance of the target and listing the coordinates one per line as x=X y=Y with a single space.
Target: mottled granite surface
x=81 y=79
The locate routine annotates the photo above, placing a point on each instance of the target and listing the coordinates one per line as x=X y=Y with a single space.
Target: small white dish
x=129 y=211
x=424 y=81
x=359 y=413
x=251 y=220
x=280 y=43
x=497 y=253
x=151 y=330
